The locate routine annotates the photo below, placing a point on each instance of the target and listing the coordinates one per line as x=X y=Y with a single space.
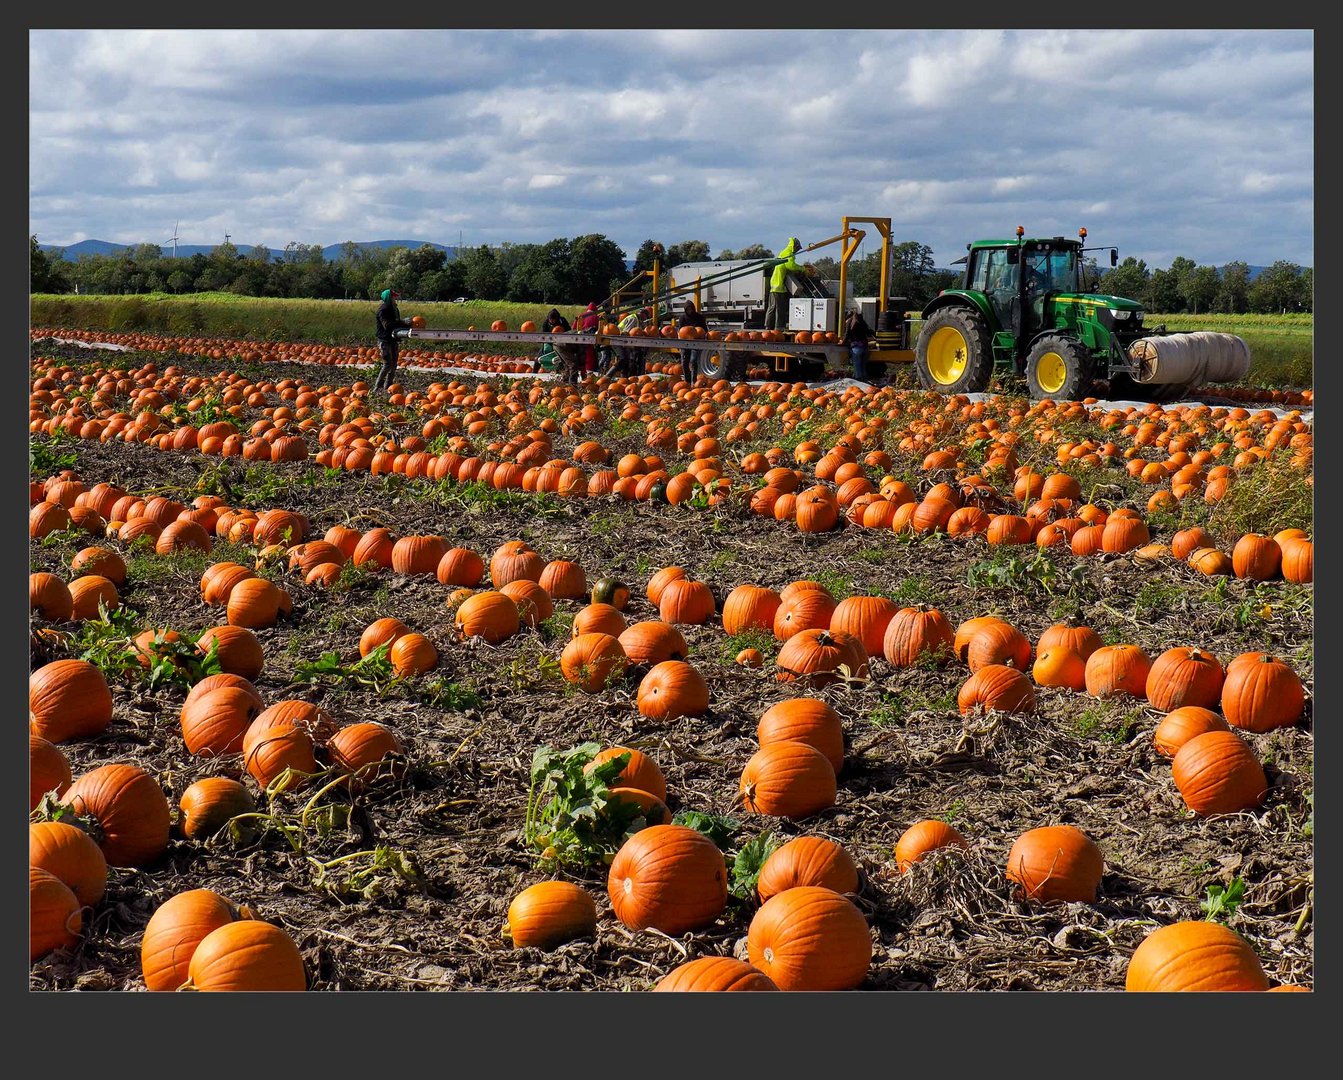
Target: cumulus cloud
x=1195 y=143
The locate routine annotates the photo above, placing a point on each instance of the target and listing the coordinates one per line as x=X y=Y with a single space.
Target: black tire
x=722 y=365
x=1076 y=371
x=974 y=332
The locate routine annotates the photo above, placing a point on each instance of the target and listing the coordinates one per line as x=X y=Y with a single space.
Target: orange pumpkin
x=549 y=913
x=921 y=839
x=1194 y=956
x=668 y=877
x=810 y=938
x=1056 y=863
x=807 y=860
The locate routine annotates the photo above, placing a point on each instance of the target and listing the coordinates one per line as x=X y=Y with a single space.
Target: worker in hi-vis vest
x=776 y=313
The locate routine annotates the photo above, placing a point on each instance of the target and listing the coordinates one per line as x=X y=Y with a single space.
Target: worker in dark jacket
x=569 y=357
x=690 y=316
x=389 y=320
x=858 y=337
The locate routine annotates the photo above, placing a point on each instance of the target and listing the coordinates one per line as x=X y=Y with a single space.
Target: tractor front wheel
x=1058 y=367
x=954 y=354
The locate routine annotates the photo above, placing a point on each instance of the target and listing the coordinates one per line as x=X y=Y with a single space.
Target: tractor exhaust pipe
x=1190 y=359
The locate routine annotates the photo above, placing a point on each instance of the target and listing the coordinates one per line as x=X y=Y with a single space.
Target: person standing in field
x=858 y=337
x=588 y=323
x=555 y=323
x=776 y=311
x=690 y=316
x=388 y=321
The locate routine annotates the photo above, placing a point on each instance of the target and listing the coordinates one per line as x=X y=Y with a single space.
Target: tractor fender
x=961 y=298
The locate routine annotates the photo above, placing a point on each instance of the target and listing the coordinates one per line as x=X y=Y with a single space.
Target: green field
x=1281 y=345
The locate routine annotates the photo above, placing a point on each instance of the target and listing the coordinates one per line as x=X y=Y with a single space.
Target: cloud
x=1198 y=143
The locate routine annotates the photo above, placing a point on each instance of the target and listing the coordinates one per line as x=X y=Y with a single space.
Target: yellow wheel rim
x=948 y=354
x=1051 y=372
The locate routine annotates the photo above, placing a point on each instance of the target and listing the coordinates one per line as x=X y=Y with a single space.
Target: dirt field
x=456 y=818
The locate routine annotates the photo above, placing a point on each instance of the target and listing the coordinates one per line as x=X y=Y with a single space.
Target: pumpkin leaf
x=745 y=869
x=1220 y=902
x=717 y=827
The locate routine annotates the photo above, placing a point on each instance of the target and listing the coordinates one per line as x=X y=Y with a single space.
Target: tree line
x=589 y=268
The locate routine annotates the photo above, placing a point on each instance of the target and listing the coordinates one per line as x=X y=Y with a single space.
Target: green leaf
x=1221 y=903
x=745 y=870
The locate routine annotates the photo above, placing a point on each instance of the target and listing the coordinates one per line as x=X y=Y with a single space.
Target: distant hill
x=331 y=252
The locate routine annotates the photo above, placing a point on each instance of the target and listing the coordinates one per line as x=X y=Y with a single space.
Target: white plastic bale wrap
x=1189 y=359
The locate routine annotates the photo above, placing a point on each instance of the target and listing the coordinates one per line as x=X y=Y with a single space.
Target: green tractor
x=1023 y=306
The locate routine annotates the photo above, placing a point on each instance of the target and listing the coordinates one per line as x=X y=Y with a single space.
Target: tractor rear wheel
x=722 y=365
x=1058 y=367
x=954 y=354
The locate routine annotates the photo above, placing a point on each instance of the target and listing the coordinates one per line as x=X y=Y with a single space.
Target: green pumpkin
x=658 y=494
x=610 y=591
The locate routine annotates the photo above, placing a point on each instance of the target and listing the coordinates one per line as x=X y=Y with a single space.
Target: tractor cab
x=1016 y=278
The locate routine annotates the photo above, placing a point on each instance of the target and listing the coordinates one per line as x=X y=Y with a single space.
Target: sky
x=1164 y=143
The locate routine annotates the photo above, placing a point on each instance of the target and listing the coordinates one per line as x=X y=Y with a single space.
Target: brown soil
x=951 y=924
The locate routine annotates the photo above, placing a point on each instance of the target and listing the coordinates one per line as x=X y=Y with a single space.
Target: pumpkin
x=807 y=860
x=788 y=779
x=715 y=974
x=48 y=770
x=668 y=877
x=1114 y=669
x=998 y=642
x=817 y=658
x=380 y=632
x=130 y=809
x=549 y=913
x=368 y=751
x=1185 y=542
x=1218 y=773
x=1210 y=561
x=534 y=603
x=49 y=597
x=915 y=635
x=610 y=591
x=1194 y=956
x=671 y=689
x=181 y=536
x=1182 y=724
x=661 y=580
x=1261 y=694
x=635 y=804
x=55 y=917
x=214 y=723
x=256 y=603
x=207 y=806
x=460 y=566
x=418 y=554
x=592 y=660
x=752 y=658
x=810 y=938
x=174 y=931
x=866 y=618
x=90 y=591
x=238 y=649
x=640 y=770
x=653 y=642
x=1056 y=863
x=71 y=855
x=1182 y=676
x=1256 y=557
x=283 y=737
x=1059 y=666
x=374 y=549
x=1121 y=534
x=100 y=561
x=750 y=607
x=599 y=619
x=1081 y=639
x=46 y=518
x=489 y=615
x=922 y=839
x=412 y=654
x=219 y=580
x=68 y=699
x=564 y=580
x=247 y=955
x=807 y=609
x=806 y=720
x=1298 y=561
x=515 y=561
x=999 y=687
x=685 y=601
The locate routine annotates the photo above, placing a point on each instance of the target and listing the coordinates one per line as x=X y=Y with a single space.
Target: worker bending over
x=776 y=311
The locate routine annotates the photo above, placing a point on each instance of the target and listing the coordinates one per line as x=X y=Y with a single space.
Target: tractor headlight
x=1120 y=314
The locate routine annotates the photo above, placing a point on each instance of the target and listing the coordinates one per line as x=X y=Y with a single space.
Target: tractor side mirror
x=1114 y=256
x=1013 y=256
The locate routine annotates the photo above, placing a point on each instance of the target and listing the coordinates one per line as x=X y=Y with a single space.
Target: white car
x=459 y=300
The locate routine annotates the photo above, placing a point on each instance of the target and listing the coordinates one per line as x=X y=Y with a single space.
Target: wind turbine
x=173 y=239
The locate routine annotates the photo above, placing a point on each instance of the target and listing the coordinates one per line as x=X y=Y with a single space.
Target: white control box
x=806 y=313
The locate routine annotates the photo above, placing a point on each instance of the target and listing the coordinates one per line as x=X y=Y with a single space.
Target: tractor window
x=993 y=272
x=1054 y=271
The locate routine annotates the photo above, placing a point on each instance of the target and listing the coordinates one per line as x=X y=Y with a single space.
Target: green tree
x=1129 y=279
x=1163 y=293
x=1200 y=288
x=484 y=279
x=46 y=272
x=1233 y=289
x=1179 y=270
x=594 y=261
x=648 y=251
x=179 y=282
x=1279 y=289
x=911 y=265
x=687 y=251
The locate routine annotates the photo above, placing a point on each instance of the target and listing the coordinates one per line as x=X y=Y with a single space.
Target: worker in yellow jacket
x=776 y=311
